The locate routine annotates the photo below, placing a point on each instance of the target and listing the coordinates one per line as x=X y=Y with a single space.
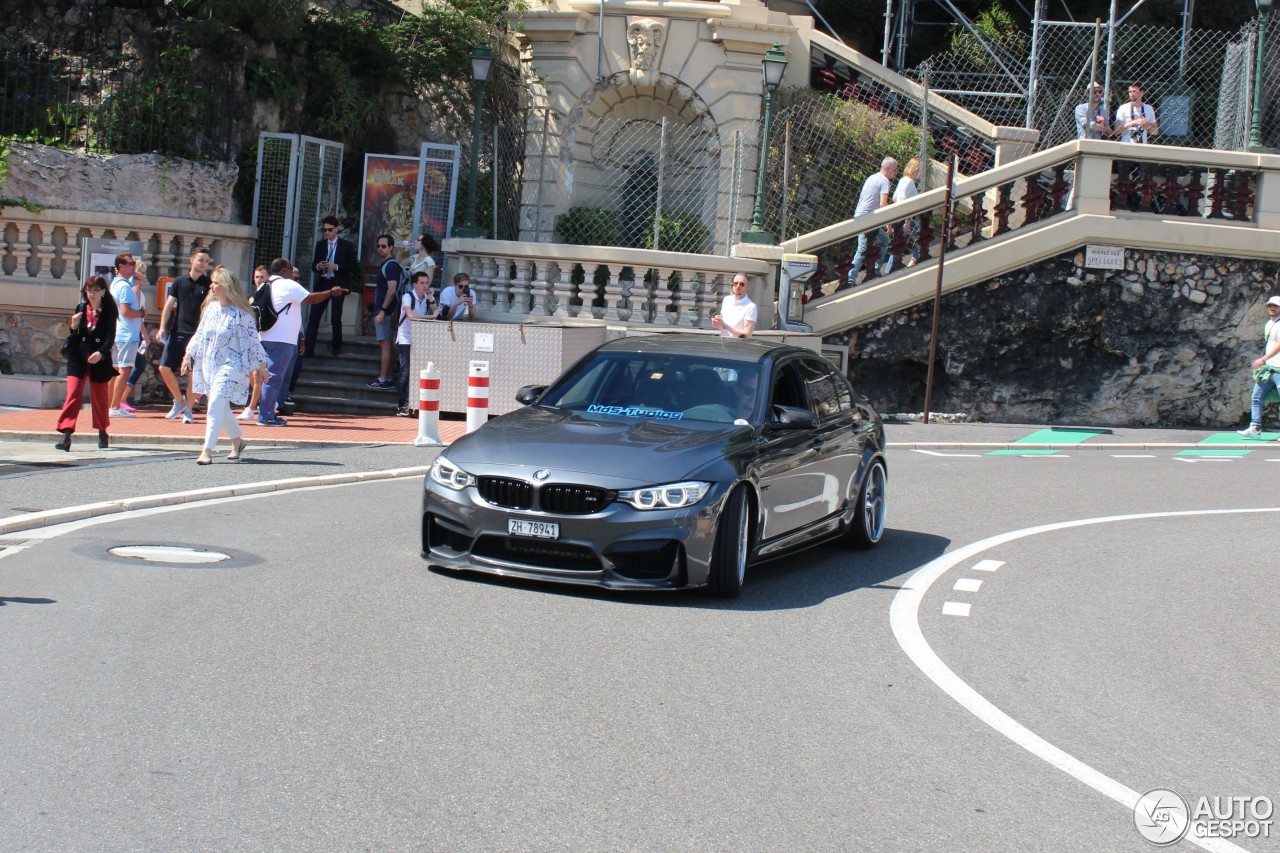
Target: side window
x=844 y=392
x=788 y=388
x=821 y=388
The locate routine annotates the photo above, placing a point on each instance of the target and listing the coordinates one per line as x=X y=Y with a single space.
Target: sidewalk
x=150 y=427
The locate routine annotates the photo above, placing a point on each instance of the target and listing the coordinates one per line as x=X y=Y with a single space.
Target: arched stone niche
x=604 y=87
x=625 y=137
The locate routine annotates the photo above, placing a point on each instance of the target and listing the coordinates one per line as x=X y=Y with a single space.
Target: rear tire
x=733 y=544
x=867 y=526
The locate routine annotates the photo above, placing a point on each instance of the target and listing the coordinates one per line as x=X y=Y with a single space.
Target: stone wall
x=30 y=340
x=146 y=184
x=1165 y=342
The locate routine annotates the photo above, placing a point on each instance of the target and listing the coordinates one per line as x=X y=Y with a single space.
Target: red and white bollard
x=477 y=395
x=428 y=407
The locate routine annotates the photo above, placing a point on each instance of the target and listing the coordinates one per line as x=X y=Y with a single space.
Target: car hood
x=621 y=450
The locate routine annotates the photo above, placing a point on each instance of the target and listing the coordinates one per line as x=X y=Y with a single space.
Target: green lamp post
x=1255 y=126
x=775 y=63
x=481 y=65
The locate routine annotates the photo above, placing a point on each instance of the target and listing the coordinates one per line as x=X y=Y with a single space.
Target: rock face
x=1165 y=342
x=146 y=184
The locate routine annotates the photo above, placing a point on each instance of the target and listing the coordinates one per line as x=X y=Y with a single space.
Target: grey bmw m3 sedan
x=662 y=462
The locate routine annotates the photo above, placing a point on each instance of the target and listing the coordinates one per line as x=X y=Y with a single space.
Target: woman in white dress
x=222 y=354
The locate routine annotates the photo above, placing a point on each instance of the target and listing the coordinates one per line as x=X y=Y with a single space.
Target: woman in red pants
x=93 y=333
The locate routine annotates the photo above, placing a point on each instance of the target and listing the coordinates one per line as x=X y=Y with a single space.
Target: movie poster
x=390 y=191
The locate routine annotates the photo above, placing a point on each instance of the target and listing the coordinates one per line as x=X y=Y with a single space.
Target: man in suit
x=333 y=264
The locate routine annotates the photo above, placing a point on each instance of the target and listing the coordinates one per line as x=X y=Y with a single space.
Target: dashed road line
x=967 y=585
x=904 y=618
x=955 y=608
x=987 y=565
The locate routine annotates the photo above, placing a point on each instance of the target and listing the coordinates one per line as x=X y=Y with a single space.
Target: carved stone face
x=644 y=37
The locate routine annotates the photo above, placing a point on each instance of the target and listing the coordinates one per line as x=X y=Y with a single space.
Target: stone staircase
x=337 y=385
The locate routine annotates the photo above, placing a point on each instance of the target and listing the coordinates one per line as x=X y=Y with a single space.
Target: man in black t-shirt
x=186 y=298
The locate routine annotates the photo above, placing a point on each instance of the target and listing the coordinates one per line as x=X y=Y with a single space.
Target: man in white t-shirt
x=875 y=195
x=458 y=301
x=281 y=340
x=737 y=317
x=1135 y=120
x=1266 y=370
x=418 y=304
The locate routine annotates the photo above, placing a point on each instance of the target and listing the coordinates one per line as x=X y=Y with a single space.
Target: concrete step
x=320 y=403
x=323 y=386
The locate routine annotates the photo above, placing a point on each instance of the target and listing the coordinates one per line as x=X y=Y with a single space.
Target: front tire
x=867 y=526
x=733 y=544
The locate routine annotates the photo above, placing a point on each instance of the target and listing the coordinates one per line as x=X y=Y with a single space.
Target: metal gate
x=437 y=190
x=298 y=184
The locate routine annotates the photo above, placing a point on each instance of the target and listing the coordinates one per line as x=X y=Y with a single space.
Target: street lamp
x=481 y=65
x=1255 y=128
x=775 y=63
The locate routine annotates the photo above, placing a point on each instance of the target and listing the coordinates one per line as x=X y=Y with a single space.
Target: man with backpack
x=282 y=298
x=386 y=300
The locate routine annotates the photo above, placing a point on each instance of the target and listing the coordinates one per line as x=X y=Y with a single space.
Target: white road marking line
x=987 y=565
x=904 y=617
x=936 y=453
x=1206 y=458
x=955 y=608
x=967 y=585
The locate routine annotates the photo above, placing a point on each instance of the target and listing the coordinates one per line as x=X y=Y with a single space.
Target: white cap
x=1275 y=300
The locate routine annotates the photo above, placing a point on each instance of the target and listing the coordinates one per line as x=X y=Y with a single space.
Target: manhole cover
x=168 y=554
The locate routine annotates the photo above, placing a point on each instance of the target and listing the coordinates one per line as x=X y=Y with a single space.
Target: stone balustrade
x=40 y=255
x=522 y=282
x=40 y=252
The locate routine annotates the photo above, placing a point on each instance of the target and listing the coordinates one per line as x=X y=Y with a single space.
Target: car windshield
x=660 y=387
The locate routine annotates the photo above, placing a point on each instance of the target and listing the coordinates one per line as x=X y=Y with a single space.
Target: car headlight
x=670 y=496
x=449 y=475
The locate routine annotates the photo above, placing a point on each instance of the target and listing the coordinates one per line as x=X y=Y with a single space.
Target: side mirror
x=791 y=417
x=529 y=393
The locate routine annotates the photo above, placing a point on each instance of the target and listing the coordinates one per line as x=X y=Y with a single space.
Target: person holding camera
x=457 y=302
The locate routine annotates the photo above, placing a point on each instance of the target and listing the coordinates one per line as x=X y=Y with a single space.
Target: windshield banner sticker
x=634 y=412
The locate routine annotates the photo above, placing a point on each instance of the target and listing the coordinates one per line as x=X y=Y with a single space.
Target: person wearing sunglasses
x=89 y=346
x=333 y=264
x=128 y=299
x=737 y=315
x=1091 y=116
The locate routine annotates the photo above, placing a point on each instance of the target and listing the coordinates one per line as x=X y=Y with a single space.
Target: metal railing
x=177 y=108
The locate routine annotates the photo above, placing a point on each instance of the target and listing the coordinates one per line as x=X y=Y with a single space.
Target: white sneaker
x=187 y=417
x=175 y=410
x=120 y=413
x=1251 y=432
x=247 y=415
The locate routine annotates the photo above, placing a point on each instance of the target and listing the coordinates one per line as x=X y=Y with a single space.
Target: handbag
x=69 y=344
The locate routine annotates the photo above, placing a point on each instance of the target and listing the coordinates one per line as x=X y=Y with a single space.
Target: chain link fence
x=643 y=183
x=1200 y=82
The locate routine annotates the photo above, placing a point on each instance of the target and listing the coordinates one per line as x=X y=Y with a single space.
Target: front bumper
x=618 y=547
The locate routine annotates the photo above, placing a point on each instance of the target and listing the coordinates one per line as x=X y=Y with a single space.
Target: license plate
x=536 y=529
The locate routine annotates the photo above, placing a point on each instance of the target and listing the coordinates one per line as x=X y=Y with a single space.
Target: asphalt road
x=320 y=689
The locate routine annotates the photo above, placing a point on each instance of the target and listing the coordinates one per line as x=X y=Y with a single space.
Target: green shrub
x=588 y=226
x=681 y=231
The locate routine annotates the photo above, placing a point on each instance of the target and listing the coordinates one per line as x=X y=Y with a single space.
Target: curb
x=194 y=442
x=48 y=518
